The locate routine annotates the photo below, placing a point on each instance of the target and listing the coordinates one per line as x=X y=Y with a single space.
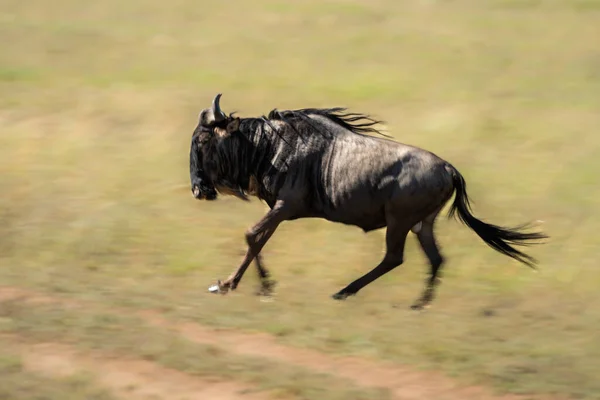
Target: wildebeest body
x=362 y=174
x=330 y=175
x=319 y=163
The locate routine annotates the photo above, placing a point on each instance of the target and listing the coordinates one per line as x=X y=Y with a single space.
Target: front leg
x=266 y=282
x=256 y=238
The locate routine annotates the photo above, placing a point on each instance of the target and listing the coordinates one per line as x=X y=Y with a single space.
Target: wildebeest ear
x=233 y=126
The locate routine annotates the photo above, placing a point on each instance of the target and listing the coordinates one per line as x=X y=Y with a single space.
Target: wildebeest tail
x=499 y=238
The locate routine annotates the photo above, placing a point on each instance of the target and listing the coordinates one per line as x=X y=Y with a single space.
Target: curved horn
x=219 y=115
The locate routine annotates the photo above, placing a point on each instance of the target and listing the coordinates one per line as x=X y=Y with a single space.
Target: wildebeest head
x=214 y=126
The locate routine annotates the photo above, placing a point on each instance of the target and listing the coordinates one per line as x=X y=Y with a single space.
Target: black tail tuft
x=498 y=238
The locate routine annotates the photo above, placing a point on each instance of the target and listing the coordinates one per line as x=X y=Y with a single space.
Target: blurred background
x=98 y=101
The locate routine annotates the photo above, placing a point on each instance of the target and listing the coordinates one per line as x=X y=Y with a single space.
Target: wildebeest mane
x=251 y=154
x=354 y=122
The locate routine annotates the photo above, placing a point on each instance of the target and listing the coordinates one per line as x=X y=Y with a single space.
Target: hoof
x=219 y=288
x=420 y=306
x=266 y=289
x=341 y=296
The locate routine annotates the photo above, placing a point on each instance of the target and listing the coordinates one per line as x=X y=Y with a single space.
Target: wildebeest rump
x=320 y=163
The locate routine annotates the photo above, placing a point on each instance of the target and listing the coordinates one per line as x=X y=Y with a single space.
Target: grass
x=97 y=105
x=97 y=329
x=18 y=384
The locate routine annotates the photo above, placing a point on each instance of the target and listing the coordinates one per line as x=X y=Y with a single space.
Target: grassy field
x=97 y=105
x=18 y=384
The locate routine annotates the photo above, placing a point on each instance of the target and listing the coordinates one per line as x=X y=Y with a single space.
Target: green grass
x=97 y=105
x=99 y=330
x=16 y=383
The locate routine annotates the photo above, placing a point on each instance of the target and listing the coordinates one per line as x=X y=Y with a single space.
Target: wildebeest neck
x=249 y=161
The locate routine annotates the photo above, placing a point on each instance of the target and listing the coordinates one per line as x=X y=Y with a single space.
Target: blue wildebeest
x=320 y=163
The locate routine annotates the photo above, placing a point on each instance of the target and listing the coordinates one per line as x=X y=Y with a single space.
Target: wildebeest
x=321 y=163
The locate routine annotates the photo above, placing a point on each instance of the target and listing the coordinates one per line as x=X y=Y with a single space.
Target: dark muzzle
x=203 y=192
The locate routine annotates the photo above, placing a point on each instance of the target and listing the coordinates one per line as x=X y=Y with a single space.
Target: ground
x=105 y=257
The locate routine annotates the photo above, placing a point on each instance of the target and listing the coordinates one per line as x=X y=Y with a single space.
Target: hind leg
x=396 y=233
x=428 y=244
